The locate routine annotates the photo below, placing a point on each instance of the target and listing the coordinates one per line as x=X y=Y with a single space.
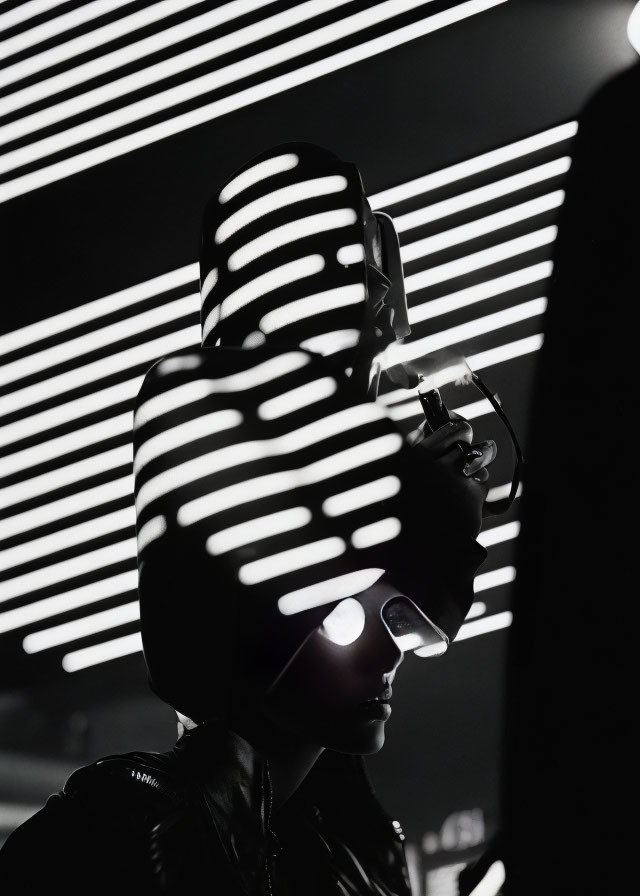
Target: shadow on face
x=336 y=690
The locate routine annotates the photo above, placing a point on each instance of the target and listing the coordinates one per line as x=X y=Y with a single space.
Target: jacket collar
x=233 y=779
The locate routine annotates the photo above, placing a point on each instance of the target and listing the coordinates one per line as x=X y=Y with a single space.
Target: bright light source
x=506 y=352
x=633 y=28
x=491 y=883
x=345 y=623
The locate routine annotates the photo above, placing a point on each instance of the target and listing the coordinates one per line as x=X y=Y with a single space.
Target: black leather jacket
x=200 y=817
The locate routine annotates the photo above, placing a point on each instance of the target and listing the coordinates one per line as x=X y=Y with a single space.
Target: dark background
x=501 y=75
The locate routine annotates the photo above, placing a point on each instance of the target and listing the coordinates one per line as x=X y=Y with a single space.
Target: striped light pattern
x=88 y=433
x=172 y=93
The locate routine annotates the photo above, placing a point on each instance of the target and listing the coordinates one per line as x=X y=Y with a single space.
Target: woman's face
x=336 y=691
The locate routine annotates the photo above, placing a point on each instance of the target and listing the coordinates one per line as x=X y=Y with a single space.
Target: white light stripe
x=473 y=328
x=329 y=300
x=99 y=338
x=362 y=496
x=184 y=434
x=222 y=77
x=209 y=282
x=243 y=452
x=484 y=258
x=67 y=538
x=150 y=74
x=481 y=227
x=36 y=424
x=81 y=628
x=477 y=609
x=261 y=171
x=502 y=491
x=376 y=533
x=69 y=600
x=89 y=312
x=494 y=579
x=485 y=625
x=115 y=59
x=101 y=653
x=235 y=382
x=298 y=398
x=424 y=184
x=82 y=469
x=67 y=569
x=144 y=353
x=492 y=882
x=63 y=507
x=495 y=190
x=506 y=352
x=498 y=534
x=276 y=483
x=254 y=530
x=351 y=254
x=176 y=365
x=259 y=286
x=152 y=529
x=289 y=233
x=413 y=408
x=72 y=441
x=27 y=10
x=60 y=24
x=330 y=343
x=480 y=291
x=329 y=591
x=298 y=192
x=243 y=98
x=289 y=561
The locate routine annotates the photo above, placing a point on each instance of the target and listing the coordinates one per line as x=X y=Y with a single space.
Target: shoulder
x=102 y=828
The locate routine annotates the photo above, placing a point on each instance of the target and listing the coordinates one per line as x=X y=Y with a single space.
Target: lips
x=384 y=697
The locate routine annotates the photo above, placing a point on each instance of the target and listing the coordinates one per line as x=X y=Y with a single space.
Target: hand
x=456 y=471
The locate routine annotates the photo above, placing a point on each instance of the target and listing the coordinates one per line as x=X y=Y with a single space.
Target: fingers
x=444 y=439
x=479 y=457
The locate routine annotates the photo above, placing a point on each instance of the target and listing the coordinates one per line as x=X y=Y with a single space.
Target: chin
x=363 y=741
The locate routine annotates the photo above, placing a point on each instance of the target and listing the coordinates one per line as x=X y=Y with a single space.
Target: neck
x=290 y=758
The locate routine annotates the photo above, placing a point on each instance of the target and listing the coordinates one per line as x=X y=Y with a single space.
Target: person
x=293 y=545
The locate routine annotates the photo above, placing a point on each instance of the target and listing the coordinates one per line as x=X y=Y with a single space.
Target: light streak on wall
x=67 y=424
x=278 y=84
